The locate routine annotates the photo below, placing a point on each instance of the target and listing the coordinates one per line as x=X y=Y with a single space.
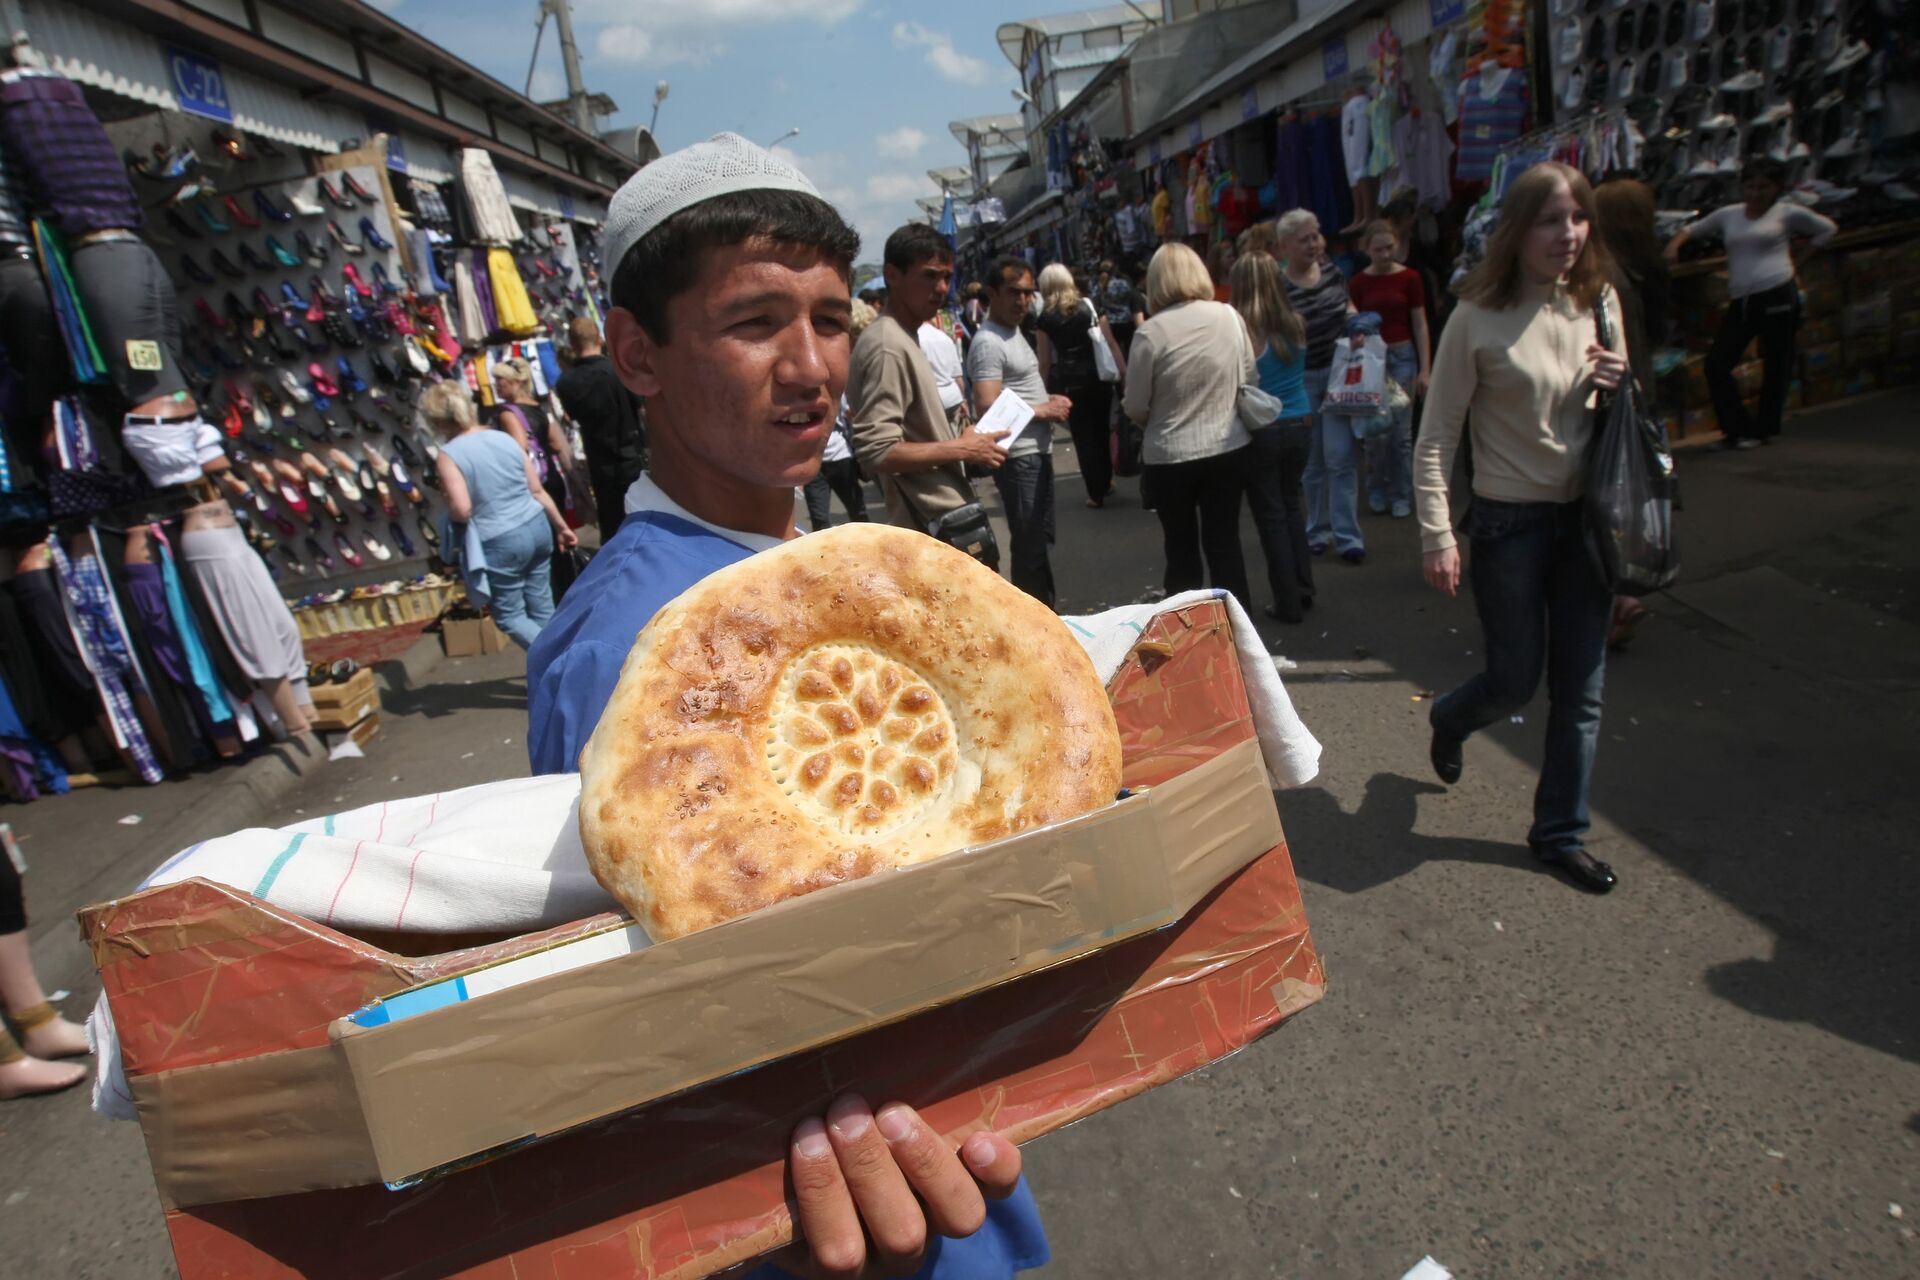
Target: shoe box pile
x=349 y=708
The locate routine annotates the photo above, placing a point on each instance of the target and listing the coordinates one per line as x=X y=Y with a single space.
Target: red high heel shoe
x=352 y=277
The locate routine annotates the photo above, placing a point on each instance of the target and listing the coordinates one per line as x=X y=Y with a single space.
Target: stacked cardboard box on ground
x=350 y=707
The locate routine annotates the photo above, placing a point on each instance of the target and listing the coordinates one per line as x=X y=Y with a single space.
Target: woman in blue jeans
x=490 y=481
x=1279 y=452
x=1318 y=292
x=1519 y=364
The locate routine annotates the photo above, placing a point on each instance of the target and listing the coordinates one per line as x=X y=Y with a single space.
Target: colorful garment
x=1489 y=122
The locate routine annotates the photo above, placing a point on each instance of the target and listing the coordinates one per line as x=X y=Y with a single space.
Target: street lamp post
x=659 y=96
x=791 y=133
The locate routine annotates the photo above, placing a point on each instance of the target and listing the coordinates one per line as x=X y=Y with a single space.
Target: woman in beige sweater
x=1519 y=363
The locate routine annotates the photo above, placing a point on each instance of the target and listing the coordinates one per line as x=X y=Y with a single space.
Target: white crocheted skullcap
x=722 y=165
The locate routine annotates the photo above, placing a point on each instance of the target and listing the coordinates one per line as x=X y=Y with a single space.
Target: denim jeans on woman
x=1542 y=607
x=1333 y=513
x=1278 y=502
x=520 y=578
x=1390 y=454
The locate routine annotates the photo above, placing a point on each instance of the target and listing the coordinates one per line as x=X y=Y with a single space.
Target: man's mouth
x=802 y=422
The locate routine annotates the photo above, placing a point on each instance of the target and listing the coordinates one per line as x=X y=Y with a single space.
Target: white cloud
x=685 y=30
x=961 y=68
x=896 y=186
x=902 y=144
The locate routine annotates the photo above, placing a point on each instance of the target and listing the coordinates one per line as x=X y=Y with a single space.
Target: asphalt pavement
x=1714 y=1071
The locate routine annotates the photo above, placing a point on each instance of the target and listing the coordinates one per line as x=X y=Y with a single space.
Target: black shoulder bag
x=965 y=528
x=1631 y=490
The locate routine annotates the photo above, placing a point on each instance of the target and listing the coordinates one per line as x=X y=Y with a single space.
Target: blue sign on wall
x=1446 y=12
x=199 y=84
x=1333 y=58
x=396 y=153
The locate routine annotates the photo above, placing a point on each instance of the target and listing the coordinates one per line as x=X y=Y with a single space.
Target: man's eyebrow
x=778 y=299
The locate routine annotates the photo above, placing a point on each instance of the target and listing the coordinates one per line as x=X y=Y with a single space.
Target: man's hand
x=1442 y=569
x=984 y=448
x=1055 y=409
x=873 y=1190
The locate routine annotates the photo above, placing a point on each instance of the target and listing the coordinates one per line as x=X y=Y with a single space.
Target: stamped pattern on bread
x=860 y=742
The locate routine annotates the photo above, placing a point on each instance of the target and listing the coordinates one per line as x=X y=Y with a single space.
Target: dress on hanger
x=1493 y=112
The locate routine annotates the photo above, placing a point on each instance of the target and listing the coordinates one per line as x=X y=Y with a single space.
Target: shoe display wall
x=289 y=292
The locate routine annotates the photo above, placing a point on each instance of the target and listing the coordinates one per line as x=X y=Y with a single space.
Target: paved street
x=1713 y=1072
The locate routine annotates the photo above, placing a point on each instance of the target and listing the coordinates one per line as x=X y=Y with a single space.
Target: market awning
x=1039 y=214
x=103 y=54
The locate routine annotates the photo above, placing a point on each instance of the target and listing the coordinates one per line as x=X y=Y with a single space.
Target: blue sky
x=871 y=84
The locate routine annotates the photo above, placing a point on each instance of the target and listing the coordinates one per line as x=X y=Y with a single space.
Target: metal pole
x=570 y=55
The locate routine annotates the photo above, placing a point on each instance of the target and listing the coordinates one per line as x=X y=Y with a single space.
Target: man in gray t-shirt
x=1000 y=359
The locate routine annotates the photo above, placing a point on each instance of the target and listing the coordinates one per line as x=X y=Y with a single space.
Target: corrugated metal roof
x=1012 y=35
x=526 y=193
x=96 y=51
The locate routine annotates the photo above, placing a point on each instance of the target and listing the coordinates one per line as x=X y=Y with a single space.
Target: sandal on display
x=377 y=547
x=333 y=197
x=323 y=296
x=209 y=219
x=314 y=252
x=194 y=271
x=349 y=377
x=268 y=209
x=355 y=282
x=303 y=206
x=427 y=532
x=320 y=557
x=383 y=280
x=253 y=261
x=340 y=238
x=405 y=450
x=181 y=226
x=370 y=234
x=382 y=367
x=225 y=266
x=343 y=475
x=292 y=296
x=400 y=538
x=241 y=218
x=354 y=188
x=321 y=381
x=344 y=546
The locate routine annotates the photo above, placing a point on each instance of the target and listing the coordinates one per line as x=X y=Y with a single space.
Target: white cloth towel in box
x=506 y=856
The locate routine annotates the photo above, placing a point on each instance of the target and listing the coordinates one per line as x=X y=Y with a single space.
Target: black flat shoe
x=1273 y=611
x=1446 y=757
x=1583 y=869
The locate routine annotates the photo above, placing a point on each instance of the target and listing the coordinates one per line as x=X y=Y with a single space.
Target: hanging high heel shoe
x=208 y=218
x=400 y=538
x=349 y=377
x=333 y=196
x=241 y=218
x=370 y=234
x=268 y=209
x=195 y=272
x=343 y=475
x=355 y=282
x=344 y=546
x=340 y=238
x=366 y=197
x=314 y=252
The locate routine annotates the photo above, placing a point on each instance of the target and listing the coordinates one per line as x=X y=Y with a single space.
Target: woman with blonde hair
x=1280 y=452
x=1318 y=292
x=1183 y=382
x=489 y=480
x=1063 y=344
x=1518 y=366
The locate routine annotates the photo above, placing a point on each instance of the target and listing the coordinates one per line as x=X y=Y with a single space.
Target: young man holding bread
x=730 y=319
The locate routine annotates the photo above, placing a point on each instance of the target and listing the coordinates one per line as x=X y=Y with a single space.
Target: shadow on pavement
x=436 y=700
x=1376 y=844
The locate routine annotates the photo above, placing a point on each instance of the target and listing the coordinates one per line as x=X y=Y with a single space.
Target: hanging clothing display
x=251 y=616
x=54 y=691
x=100 y=638
x=493 y=220
x=472 y=326
x=512 y=307
x=30 y=764
x=1356 y=137
x=1493 y=112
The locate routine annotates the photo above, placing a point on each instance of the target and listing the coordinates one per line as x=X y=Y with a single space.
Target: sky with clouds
x=870 y=84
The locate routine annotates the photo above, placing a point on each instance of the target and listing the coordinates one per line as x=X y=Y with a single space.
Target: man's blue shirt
x=571 y=671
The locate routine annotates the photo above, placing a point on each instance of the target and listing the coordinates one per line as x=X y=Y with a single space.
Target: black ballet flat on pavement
x=1583 y=869
x=1446 y=756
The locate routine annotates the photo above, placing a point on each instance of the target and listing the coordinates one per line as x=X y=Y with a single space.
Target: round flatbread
x=854 y=700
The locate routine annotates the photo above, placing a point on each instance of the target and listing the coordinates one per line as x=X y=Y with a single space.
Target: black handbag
x=1631 y=489
x=965 y=528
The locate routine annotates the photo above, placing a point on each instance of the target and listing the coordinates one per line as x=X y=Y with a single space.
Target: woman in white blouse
x=1184 y=375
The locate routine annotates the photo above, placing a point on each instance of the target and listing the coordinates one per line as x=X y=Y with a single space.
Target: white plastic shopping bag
x=1357 y=380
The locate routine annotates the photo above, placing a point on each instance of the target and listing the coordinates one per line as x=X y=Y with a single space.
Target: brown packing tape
x=288 y=1120
x=558 y=1052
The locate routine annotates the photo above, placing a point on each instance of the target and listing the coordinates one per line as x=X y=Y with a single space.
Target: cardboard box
x=471 y=637
x=199 y=974
x=339 y=707
x=361 y=731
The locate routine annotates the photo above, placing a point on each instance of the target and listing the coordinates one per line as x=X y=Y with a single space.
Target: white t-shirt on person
x=1758 y=257
x=943 y=353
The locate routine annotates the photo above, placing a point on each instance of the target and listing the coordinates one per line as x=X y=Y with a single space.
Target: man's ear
x=636 y=356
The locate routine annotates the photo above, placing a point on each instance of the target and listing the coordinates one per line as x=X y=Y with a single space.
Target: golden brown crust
x=853 y=700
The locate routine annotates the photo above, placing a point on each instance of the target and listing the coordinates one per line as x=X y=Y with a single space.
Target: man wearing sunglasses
x=1000 y=359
